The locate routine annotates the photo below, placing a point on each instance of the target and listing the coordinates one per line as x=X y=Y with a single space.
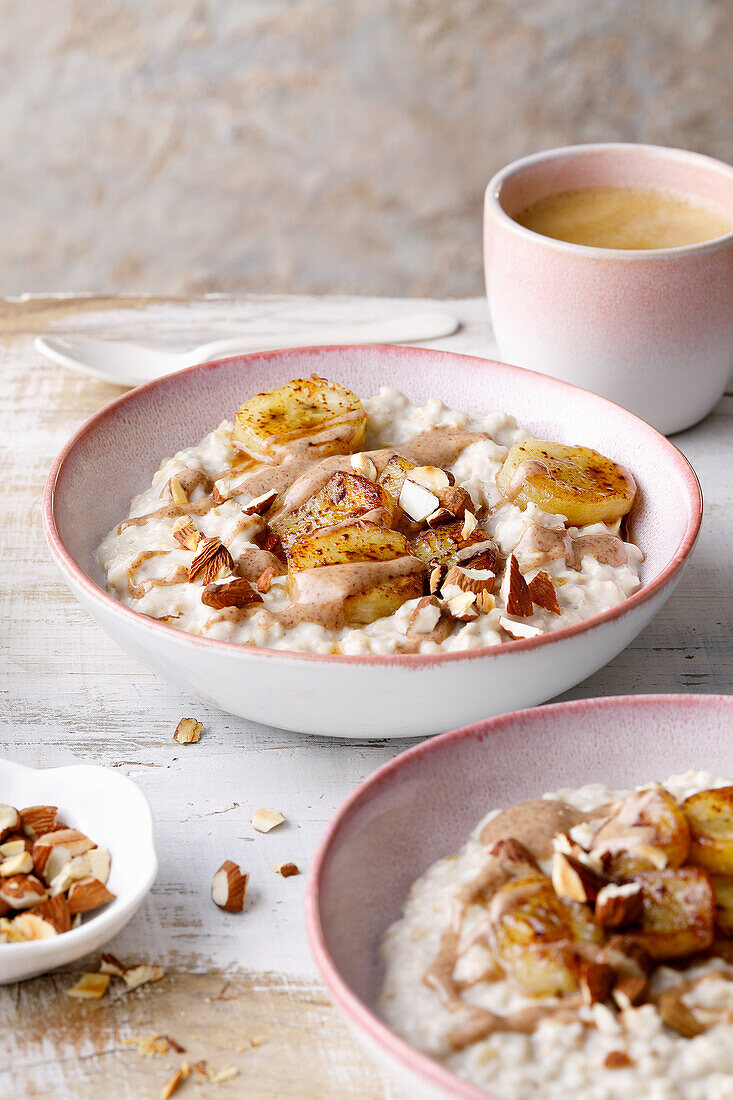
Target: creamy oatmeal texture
x=609 y=1050
x=147 y=563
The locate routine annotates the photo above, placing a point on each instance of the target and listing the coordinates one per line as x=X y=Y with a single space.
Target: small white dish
x=114 y=812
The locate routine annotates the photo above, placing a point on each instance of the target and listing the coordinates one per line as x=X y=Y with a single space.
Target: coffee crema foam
x=625 y=218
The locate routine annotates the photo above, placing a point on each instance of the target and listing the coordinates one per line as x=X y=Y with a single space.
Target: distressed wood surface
x=69 y=695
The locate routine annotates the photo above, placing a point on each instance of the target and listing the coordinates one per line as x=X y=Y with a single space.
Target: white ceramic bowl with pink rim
x=423 y=805
x=114 y=455
x=650 y=329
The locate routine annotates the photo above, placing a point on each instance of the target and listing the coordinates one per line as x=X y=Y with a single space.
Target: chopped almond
x=617 y=1059
x=259 y=505
x=630 y=991
x=141 y=974
x=52 y=851
x=515 y=590
x=229 y=887
x=87 y=894
x=455 y=501
x=265 y=820
x=470 y=580
x=543 y=593
x=33 y=927
x=286 y=869
x=236 y=593
x=618 y=906
x=469 y=524
x=110 y=964
x=90 y=987
x=185 y=533
x=99 y=862
x=574 y=880
x=211 y=558
x=677 y=1016
x=519 y=630
x=363 y=465
x=9 y=820
x=430 y=477
x=188 y=731
x=56 y=911
x=22 y=891
x=38 y=820
x=462 y=605
x=20 y=864
x=596 y=982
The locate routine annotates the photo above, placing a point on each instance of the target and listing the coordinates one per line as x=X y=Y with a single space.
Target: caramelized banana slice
x=347 y=542
x=328 y=416
x=723 y=888
x=447 y=546
x=532 y=933
x=574 y=482
x=647 y=831
x=343 y=497
x=710 y=814
x=678 y=915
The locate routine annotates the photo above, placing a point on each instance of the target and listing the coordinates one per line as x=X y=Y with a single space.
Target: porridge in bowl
x=319 y=523
x=578 y=945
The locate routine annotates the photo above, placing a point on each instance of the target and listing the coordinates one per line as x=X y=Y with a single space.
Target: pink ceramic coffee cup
x=649 y=329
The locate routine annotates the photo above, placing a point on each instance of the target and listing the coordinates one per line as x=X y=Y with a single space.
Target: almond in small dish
x=318 y=522
x=573 y=937
x=50 y=875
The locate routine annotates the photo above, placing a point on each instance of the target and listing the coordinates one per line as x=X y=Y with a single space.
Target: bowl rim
x=493 y=206
x=354 y=1009
x=112 y=916
x=76 y=575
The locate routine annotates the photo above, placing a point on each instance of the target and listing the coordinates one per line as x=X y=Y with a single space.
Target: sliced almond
x=52 y=851
x=543 y=593
x=470 y=524
x=437 y=576
x=19 y=864
x=141 y=975
x=212 y=557
x=259 y=505
x=90 y=987
x=677 y=1016
x=229 y=887
x=34 y=927
x=110 y=964
x=573 y=879
x=177 y=493
x=264 y=581
x=37 y=820
x=630 y=990
x=9 y=820
x=171 y=1085
x=439 y=517
x=56 y=911
x=514 y=590
x=22 y=891
x=596 y=982
x=86 y=894
x=430 y=477
x=286 y=869
x=265 y=820
x=619 y=906
x=236 y=593
x=363 y=465
x=519 y=630
x=188 y=731
x=417 y=501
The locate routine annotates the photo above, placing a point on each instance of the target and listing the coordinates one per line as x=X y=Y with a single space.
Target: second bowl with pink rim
x=115 y=454
x=423 y=805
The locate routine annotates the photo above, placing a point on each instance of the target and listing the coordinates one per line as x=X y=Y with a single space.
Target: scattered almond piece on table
x=265 y=820
x=229 y=887
x=188 y=731
x=90 y=987
x=286 y=869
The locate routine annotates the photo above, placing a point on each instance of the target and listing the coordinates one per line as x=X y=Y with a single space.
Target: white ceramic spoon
x=130 y=364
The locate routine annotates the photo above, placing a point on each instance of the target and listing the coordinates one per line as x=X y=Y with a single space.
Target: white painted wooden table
x=69 y=694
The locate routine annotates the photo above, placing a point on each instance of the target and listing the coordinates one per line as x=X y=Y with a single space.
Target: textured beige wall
x=317 y=145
